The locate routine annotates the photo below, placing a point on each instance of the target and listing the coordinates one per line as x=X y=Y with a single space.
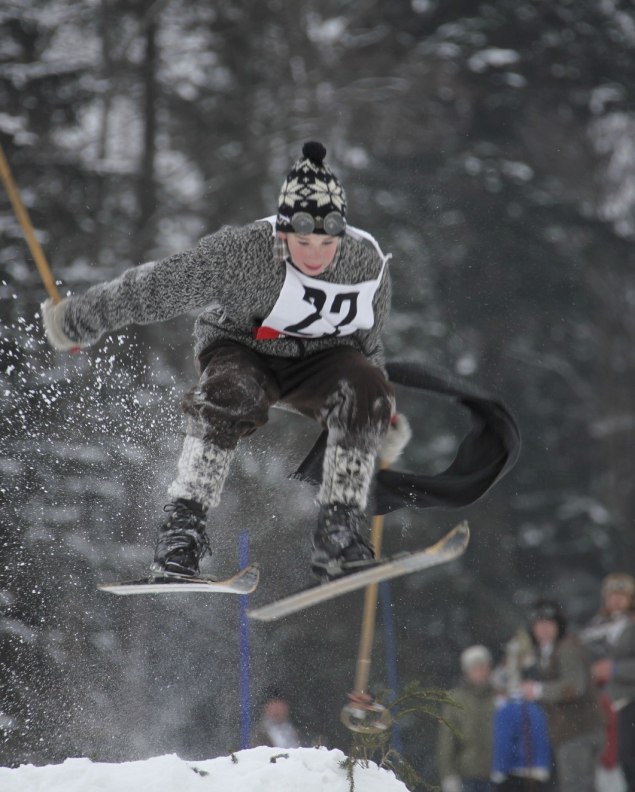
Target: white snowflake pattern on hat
x=327 y=193
x=308 y=166
x=292 y=192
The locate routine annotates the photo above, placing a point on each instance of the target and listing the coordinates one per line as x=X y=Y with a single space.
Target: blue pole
x=245 y=705
x=391 y=653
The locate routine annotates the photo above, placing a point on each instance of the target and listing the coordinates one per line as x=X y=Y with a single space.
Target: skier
x=292 y=308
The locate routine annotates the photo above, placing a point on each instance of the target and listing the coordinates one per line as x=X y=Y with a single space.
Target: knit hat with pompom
x=311 y=187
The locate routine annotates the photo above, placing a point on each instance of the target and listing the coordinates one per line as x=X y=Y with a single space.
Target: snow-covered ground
x=256 y=770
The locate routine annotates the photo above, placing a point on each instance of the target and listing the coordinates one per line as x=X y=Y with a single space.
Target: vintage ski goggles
x=304 y=223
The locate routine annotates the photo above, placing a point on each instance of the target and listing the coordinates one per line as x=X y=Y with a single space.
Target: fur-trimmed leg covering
x=357 y=416
x=346 y=476
x=201 y=472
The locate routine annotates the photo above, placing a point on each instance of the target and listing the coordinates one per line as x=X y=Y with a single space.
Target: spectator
x=612 y=637
x=521 y=759
x=566 y=690
x=465 y=750
x=275 y=727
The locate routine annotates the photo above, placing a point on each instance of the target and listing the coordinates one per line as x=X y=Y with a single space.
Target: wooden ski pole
x=27 y=227
x=362 y=713
x=369 y=617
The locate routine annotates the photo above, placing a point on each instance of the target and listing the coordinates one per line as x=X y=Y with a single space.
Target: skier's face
x=311 y=253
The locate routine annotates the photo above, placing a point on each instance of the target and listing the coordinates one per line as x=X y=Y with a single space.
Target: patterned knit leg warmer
x=201 y=472
x=346 y=476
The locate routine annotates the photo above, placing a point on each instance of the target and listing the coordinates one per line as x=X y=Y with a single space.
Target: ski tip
x=250 y=576
x=458 y=537
x=463 y=529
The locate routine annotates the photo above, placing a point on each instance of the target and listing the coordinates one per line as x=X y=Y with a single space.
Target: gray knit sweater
x=234 y=278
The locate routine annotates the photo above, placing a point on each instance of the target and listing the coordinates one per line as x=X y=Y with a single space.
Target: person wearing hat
x=611 y=638
x=521 y=760
x=565 y=689
x=290 y=312
x=464 y=749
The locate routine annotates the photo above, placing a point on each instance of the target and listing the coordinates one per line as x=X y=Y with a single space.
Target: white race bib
x=312 y=308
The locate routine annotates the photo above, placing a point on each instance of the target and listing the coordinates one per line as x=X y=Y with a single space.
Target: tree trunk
x=146 y=181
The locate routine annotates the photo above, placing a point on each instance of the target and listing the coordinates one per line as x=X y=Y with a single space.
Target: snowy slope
x=306 y=769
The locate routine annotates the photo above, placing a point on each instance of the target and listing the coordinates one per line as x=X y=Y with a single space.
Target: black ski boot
x=182 y=540
x=338 y=546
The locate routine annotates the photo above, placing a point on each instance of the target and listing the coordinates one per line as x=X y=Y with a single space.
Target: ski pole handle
x=27 y=227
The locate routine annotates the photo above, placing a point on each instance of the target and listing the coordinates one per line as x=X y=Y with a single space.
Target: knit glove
x=53 y=321
x=451 y=784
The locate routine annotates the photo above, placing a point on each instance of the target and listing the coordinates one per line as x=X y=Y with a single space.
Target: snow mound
x=255 y=770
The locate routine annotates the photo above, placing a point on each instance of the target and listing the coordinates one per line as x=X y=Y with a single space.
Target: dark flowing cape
x=486 y=453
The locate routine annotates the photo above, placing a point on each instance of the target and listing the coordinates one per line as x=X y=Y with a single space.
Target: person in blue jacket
x=522 y=754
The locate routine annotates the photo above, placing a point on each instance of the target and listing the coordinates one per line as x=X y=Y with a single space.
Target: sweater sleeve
x=573 y=676
x=155 y=291
x=624 y=658
x=624 y=671
x=370 y=340
x=447 y=746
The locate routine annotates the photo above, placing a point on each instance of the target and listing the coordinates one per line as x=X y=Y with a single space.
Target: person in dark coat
x=565 y=689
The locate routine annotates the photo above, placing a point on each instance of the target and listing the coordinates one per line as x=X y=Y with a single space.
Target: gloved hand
x=451 y=784
x=53 y=321
x=396 y=439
